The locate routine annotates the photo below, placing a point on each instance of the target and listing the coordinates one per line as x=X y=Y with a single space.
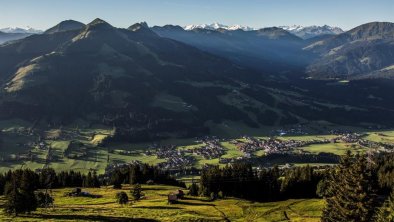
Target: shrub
x=44 y=199
x=122 y=198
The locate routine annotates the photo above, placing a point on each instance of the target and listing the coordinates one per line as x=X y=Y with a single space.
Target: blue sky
x=347 y=14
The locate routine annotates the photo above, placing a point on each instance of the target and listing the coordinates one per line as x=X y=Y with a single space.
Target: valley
x=91 y=149
x=117 y=120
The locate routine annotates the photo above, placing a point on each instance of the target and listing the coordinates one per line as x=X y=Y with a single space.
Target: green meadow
x=154 y=207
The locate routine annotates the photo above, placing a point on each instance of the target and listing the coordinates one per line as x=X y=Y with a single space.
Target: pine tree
x=117 y=179
x=136 y=191
x=135 y=174
x=193 y=189
x=350 y=193
x=44 y=199
x=95 y=180
x=19 y=199
x=386 y=212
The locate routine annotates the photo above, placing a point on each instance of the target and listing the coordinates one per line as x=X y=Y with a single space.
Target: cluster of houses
x=177 y=162
x=124 y=152
x=379 y=146
x=168 y=152
x=250 y=146
x=349 y=137
x=211 y=150
x=175 y=158
x=273 y=145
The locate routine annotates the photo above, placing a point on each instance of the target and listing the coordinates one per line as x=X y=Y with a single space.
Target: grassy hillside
x=155 y=207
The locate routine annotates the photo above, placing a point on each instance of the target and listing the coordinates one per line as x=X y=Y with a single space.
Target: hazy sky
x=42 y=14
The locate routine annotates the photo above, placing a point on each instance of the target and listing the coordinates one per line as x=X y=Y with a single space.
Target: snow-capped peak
x=27 y=30
x=312 y=31
x=291 y=27
x=216 y=25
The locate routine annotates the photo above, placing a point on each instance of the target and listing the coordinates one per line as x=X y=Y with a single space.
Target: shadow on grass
x=88 y=218
x=195 y=204
x=196 y=198
x=159 y=207
x=152 y=188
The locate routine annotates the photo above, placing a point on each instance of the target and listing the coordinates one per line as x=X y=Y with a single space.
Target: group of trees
x=20 y=187
x=355 y=190
x=19 y=193
x=48 y=178
x=141 y=174
x=135 y=191
x=240 y=180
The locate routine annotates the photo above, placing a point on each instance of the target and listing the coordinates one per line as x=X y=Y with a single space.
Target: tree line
x=268 y=184
x=141 y=174
x=25 y=190
x=49 y=179
x=358 y=189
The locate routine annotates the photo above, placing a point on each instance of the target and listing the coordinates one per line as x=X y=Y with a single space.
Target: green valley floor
x=154 y=207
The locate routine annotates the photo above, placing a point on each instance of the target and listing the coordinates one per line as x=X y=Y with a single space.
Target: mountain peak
x=216 y=26
x=66 y=25
x=99 y=23
x=142 y=28
x=373 y=29
x=168 y=28
x=138 y=26
x=307 y=32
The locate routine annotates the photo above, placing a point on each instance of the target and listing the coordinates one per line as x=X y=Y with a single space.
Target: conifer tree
x=136 y=191
x=386 y=212
x=193 y=189
x=350 y=193
x=44 y=199
x=19 y=199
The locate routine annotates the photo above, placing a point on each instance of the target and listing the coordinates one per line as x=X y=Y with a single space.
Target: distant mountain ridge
x=267 y=49
x=304 y=32
x=10 y=34
x=364 y=51
x=27 y=30
x=307 y=32
x=216 y=25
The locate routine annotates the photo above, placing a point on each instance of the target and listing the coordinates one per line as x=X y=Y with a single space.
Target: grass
x=154 y=207
x=232 y=150
x=335 y=148
x=382 y=136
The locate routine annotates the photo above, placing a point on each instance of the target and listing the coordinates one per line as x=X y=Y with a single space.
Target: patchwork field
x=154 y=207
x=81 y=149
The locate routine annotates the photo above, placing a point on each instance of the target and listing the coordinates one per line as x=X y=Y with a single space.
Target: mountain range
x=216 y=25
x=160 y=82
x=304 y=32
x=26 y=30
x=269 y=49
x=363 y=52
x=10 y=34
x=307 y=32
